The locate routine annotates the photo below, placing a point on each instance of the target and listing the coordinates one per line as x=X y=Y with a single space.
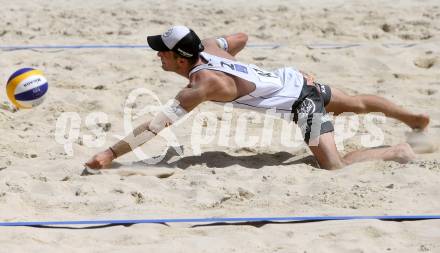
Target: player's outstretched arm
x=186 y=100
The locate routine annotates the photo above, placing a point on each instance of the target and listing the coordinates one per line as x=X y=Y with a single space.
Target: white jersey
x=273 y=90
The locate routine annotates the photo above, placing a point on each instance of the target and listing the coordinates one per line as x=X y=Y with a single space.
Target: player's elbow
x=237 y=42
x=242 y=38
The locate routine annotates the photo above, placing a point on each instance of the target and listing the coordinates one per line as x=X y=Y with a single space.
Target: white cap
x=179 y=39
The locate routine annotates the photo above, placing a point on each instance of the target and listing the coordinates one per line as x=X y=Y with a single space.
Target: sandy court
x=377 y=47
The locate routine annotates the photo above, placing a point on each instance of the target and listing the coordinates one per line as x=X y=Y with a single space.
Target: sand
x=394 y=53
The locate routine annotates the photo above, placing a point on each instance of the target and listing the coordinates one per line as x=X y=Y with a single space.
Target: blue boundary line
x=217 y=220
x=105 y=46
x=267 y=46
x=85 y=46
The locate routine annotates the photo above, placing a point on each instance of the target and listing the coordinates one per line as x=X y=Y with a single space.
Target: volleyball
x=26 y=88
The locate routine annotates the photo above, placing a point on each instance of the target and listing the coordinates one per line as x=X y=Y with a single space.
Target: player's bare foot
x=403 y=153
x=420 y=122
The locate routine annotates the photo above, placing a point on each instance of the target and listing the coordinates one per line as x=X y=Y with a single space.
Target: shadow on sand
x=220 y=159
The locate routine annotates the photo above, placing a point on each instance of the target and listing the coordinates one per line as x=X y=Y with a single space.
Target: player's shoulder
x=206 y=76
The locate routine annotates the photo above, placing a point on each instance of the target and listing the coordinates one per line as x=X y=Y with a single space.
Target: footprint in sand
x=138 y=197
x=425 y=63
x=427 y=92
x=156 y=172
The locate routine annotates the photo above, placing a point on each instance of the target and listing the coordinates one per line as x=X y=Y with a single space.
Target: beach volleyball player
x=215 y=75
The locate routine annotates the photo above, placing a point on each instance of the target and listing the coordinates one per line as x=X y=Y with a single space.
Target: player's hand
x=310 y=78
x=101 y=160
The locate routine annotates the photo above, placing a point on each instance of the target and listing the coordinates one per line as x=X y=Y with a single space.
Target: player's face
x=169 y=62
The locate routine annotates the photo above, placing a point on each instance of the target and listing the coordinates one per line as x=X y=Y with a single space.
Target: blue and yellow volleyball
x=26 y=88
